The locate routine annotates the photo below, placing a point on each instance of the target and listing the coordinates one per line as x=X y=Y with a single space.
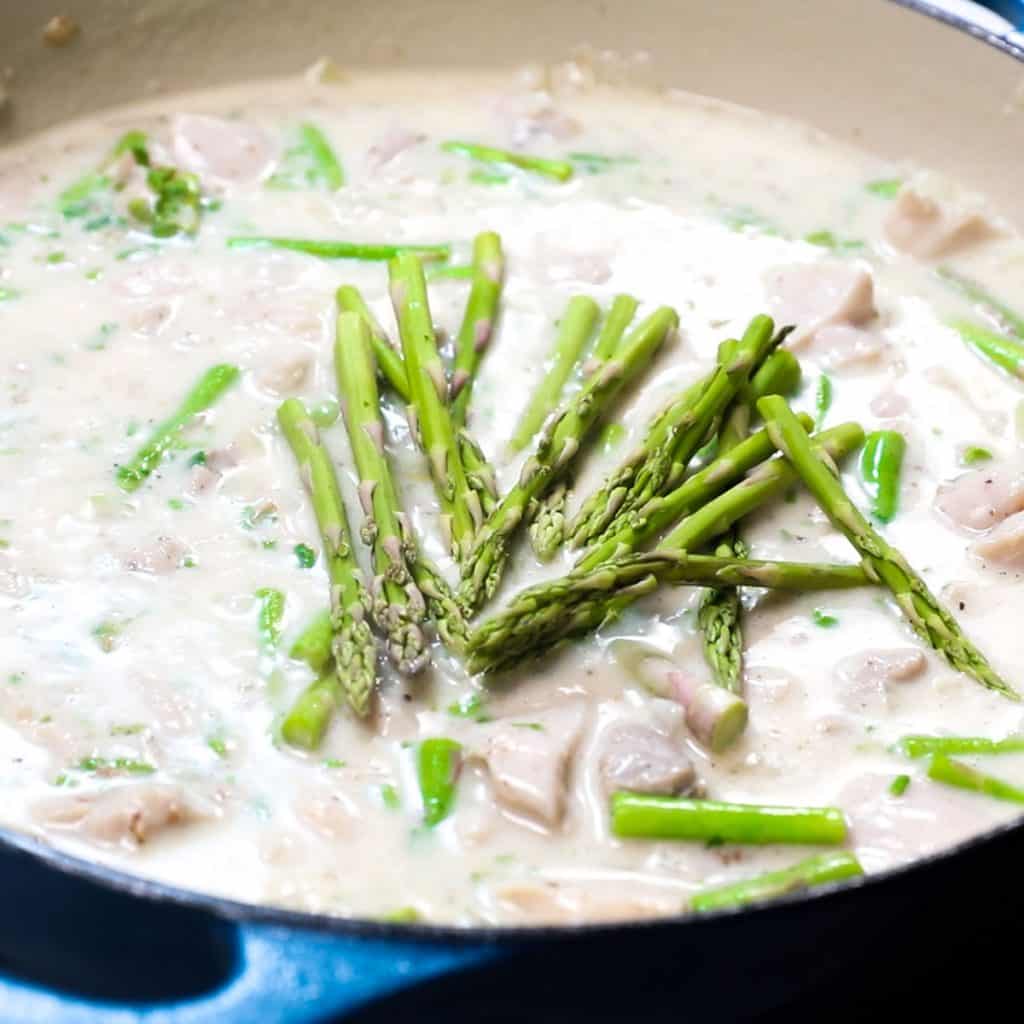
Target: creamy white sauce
x=98 y=347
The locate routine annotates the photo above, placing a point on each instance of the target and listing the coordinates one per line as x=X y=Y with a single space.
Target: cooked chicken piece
x=285 y=378
x=840 y=346
x=1004 y=545
x=983 y=498
x=863 y=679
x=528 y=759
x=326 y=811
x=640 y=758
x=816 y=295
x=218 y=150
x=928 y=229
x=124 y=816
x=164 y=555
x=889 y=404
x=558 y=903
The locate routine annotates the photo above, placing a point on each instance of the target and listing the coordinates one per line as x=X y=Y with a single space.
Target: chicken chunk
x=528 y=760
x=1004 y=545
x=983 y=498
x=817 y=295
x=123 y=816
x=285 y=378
x=841 y=346
x=640 y=758
x=863 y=678
x=926 y=228
x=220 y=151
x=164 y=555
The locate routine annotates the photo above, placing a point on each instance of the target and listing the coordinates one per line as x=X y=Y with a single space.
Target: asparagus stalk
x=1008 y=318
x=539 y=618
x=660 y=513
x=312 y=161
x=1004 y=351
x=779 y=374
x=616 y=323
x=956 y=773
x=429 y=418
x=922 y=746
x=271 y=612
x=479 y=319
x=553 y=610
x=574 y=331
x=643 y=816
x=822 y=400
x=352 y=646
x=819 y=870
x=327 y=249
x=547 y=522
x=389 y=361
x=929 y=618
x=209 y=388
x=398 y=606
x=559 y=170
x=479 y=472
x=881 y=461
x=555 y=451
x=437 y=770
x=442 y=606
x=672 y=439
x=305 y=724
x=313 y=644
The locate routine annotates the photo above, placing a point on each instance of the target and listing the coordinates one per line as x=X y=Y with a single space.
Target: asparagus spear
x=429 y=418
x=672 y=439
x=560 y=170
x=555 y=451
x=547 y=522
x=929 y=618
x=1008 y=318
x=442 y=606
x=313 y=644
x=353 y=647
x=479 y=319
x=553 y=610
x=779 y=374
x=207 y=390
x=312 y=161
x=328 y=249
x=574 y=330
x=956 y=773
x=819 y=870
x=616 y=323
x=1004 y=351
x=389 y=361
x=305 y=724
x=437 y=769
x=479 y=472
x=642 y=816
x=519 y=625
x=660 y=513
x=398 y=606
x=880 y=463
x=921 y=746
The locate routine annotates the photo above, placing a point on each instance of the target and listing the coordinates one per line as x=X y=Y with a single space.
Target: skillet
x=85 y=943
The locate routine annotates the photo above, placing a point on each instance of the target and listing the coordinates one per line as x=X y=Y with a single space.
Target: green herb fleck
x=898 y=786
x=333 y=762
x=884 y=188
x=218 y=745
x=270 y=614
x=822 y=400
x=390 y=798
x=129 y=729
x=973 y=454
x=824 y=619
x=306 y=556
x=123 y=765
x=471 y=707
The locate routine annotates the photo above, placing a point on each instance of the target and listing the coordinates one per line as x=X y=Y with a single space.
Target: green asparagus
x=1008 y=318
x=583 y=600
x=313 y=644
x=352 y=645
x=547 y=522
x=271 y=612
x=429 y=417
x=210 y=387
x=437 y=769
x=673 y=438
x=642 y=816
x=327 y=249
x=536 y=620
x=389 y=361
x=924 y=611
x=963 y=776
x=820 y=870
x=305 y=724
x=560 y=170
x=1002 y=350
x=555 y=451
x=311 y=161
x=574 y=331
x=479 y=320
x=479 y=472
x=616 y=323
x=442 y=605
x=398 y=606
x=922 y=746
x=881 y=461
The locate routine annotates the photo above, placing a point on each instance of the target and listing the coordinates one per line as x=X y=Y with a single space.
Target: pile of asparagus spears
x=686 y=489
